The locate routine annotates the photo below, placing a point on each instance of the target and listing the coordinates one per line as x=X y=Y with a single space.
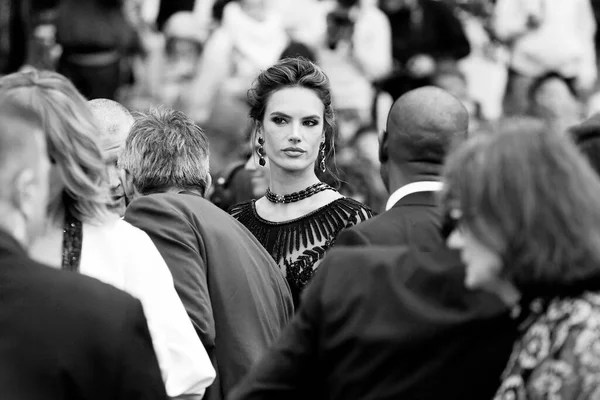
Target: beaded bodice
x=298 y=245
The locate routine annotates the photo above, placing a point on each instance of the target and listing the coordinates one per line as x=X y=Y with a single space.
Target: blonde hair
x=71 y=133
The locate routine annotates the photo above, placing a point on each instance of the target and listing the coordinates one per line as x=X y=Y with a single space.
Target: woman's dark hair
x=294 y=72
x=528 y=194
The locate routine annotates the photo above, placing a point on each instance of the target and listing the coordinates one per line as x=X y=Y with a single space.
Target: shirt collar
x=422 y=186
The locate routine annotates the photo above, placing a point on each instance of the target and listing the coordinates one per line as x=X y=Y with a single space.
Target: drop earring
x=322 y=163
x=261 y=151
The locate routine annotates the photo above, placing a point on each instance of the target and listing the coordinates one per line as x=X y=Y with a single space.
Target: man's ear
x=383 y=147
x=24 y=191
x=208 y=186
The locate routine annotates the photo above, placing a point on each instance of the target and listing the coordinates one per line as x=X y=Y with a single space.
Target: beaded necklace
x=297 y=196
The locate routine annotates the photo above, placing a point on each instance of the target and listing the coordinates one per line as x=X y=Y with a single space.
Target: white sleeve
x=184 y=363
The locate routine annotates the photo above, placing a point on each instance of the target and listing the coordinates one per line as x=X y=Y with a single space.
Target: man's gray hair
x=166 y=150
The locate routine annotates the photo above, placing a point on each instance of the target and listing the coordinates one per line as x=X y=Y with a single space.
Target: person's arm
x=288 y=370
x=186 y=368
x=175 y=239
x=139 y=374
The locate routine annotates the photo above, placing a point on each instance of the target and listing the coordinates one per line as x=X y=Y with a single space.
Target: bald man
x=115 y=122
x=422 y=126
x=392 y=319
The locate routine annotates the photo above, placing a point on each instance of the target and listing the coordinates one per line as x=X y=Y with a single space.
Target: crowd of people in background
x=201 y=56
x=292 y=199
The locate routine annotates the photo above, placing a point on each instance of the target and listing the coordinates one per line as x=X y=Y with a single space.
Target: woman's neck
x=507 y=292
x=283 y=183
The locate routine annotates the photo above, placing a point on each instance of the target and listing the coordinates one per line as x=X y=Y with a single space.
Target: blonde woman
x=83 y=236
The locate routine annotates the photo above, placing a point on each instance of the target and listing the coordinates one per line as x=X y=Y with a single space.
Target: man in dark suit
x=383 y=323
x=62 y=335
x=393 y=319
x=422 y=126
x=234 y=293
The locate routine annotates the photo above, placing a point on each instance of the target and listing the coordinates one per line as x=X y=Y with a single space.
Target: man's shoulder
x=391 y=219
x=180 y=204
x=362 y=261
x=69 y=295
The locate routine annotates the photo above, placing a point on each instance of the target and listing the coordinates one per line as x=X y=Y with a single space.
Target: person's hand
x=421 y=65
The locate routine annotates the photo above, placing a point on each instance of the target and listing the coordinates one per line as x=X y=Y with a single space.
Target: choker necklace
x=297 y=196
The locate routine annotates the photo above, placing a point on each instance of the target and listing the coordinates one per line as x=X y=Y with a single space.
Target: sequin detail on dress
x=298 y=245
x=72 y=242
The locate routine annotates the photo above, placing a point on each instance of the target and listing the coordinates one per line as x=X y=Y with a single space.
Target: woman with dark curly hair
x=523 y=210
x=299 y=217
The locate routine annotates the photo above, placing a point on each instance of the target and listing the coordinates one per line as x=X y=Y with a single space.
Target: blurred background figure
x=425 y=34
x=452 y=80
x=184 y=39
x=553 y=98
x=96 y=40
x=546 y=37
x=355 y=51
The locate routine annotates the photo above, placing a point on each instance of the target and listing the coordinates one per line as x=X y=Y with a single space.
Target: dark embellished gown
x=299 y=245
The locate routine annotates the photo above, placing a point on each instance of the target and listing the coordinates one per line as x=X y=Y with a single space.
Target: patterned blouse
x=298 y=245
x=557 y=357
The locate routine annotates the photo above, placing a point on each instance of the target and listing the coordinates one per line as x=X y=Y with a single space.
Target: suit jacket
x=414 y=220
x=401 y=328
x=234 y=293
x=68 y=336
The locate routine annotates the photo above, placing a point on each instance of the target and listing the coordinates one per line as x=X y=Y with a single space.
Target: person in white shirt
x=83 y=235
x=545 y=36
x=355 y=51
x=422 y=127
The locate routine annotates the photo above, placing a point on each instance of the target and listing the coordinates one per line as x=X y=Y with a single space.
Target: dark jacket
x=387 y=323
x=234 y=293
x=414 y=220
x=67 y=336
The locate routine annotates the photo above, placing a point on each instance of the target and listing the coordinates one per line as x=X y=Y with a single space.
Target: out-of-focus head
x=116 y=122
x=185 y=37
x=524 y=208
x=366 y=144
x=165 y=151
x=256 y=9
x=422 y=126
x=24 y=171
x=554 y=98
x=587 y=138
x=291 y=102
x=78 y=177
x=453 y=81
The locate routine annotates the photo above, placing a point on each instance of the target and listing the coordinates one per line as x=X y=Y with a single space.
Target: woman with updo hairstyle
x=82 y=235
x=522 y=208
x=299 y=217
